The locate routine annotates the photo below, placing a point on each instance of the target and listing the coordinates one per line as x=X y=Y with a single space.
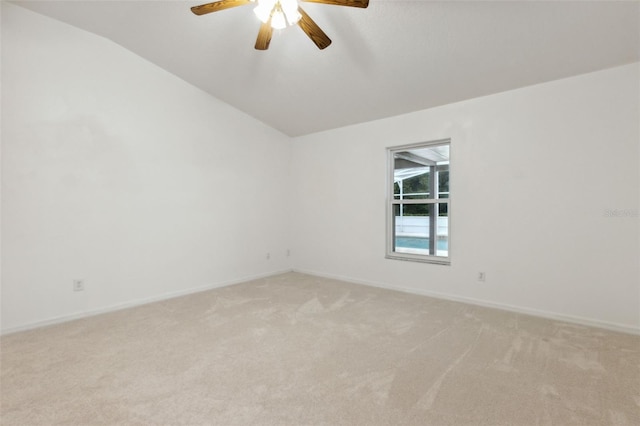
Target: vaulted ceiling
x=394 y=57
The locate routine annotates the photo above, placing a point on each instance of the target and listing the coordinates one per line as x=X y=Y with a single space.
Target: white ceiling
x=394 y=57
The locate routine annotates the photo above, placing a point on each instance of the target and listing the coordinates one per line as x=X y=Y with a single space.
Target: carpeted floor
x=301 y=350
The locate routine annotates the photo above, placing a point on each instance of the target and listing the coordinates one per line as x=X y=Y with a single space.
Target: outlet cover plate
x=78 y=285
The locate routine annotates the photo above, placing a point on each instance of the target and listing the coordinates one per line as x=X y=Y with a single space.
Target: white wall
x=534 y=172
x=119 y=173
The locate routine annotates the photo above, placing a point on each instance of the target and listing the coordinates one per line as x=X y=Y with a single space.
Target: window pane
x=415 y=184
x=411 y=229
x=443 y=181
x=417 y=187
x=421 y=173
x=442 y=248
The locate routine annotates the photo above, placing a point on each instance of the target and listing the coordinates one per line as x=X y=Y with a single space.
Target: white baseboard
x=134 y=303
x=622 y=328
x=165 y=296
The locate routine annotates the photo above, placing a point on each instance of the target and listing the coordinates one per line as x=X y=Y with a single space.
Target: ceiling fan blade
x=352 y=3
x=218 y=5
x=313 y=30
x=264 y=36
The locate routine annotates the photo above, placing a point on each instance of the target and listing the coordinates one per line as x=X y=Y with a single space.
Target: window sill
x=436 y=260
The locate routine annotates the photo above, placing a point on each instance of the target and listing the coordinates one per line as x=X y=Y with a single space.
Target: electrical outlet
x=482 y=277
x=78 y=285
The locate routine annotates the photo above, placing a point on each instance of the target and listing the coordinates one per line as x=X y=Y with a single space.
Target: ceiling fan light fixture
x=278 y=20
x=283 y=13
x=290 y=9
x=263 y=9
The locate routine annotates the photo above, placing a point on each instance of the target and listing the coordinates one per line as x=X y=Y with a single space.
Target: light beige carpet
x=300 y=350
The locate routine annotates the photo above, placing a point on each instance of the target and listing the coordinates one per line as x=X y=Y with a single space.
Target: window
x=418 y=204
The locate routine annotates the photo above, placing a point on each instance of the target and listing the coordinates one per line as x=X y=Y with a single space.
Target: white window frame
x=391 y=202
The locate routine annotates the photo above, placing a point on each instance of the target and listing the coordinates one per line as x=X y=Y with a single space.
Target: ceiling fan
x=278 y=14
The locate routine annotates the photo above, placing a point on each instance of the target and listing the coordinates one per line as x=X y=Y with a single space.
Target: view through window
x=419 y=202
